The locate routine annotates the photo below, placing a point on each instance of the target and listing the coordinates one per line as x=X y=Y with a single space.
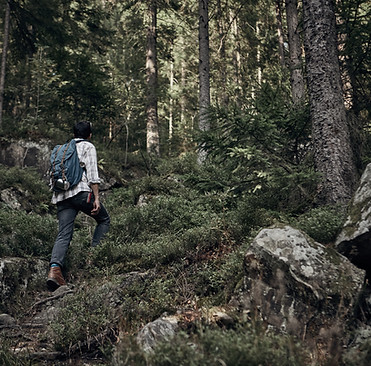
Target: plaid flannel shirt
x=88 y=159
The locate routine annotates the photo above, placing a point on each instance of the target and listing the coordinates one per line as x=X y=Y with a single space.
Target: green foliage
x=156 y=297
x=84 y=316
x=263 y=150
x=172 y=224
x=323 y=224
x=212 y=347
x=356 y=26
x=9 y=358
x=183 y=164
x=92 y=311
x=359 y=356
x=249 y=215
x=215 y=280
x=25 y=234
x=56 y=69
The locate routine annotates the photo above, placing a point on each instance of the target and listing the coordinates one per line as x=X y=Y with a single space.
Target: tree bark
x=280 y=33
x=204 y=71
x=331 y=140
x=3 y=59
x=204 y=65
x=153 y=138
x=222 y=54
x=296 y=73
x=236 y=58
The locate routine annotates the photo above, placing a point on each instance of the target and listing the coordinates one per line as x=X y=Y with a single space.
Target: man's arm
x=96 y=204
x=91 y=167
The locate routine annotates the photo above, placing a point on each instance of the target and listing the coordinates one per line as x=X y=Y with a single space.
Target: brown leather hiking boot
x=55 y=278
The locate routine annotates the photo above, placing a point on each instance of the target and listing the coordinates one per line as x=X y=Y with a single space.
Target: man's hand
x=96 y=207
x=96 y=203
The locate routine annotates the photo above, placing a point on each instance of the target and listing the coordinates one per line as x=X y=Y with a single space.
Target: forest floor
x=29 y=336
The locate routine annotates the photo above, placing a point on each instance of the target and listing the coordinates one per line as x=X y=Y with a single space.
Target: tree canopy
x=73 y=60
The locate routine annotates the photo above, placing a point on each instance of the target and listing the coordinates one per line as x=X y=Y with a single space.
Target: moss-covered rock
x=298 y=285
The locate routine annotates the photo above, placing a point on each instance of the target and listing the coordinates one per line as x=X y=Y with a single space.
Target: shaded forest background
x=135 y=69
x=68 y=61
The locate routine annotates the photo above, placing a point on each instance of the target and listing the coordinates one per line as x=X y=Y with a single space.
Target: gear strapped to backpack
x=65 y=168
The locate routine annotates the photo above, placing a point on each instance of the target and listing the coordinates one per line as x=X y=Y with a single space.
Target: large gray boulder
x=297 y=285
x=23 y=153
x=354 y=240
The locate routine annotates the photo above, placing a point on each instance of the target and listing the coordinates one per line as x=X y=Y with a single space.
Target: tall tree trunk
x=258 y=54
x=3 y=59
x=204 y=66
x=236 y=58
x=280 y=33
x=153 y=138
x=332 y=149
x=222 y=54
x=171 y=105
x=204 y=70
x=296 y=73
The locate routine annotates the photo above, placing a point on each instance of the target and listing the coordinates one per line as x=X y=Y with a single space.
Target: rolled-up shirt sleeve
x=91 y=165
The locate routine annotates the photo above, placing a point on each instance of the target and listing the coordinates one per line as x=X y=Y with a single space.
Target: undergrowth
x=177 y=240
x=214 y=347
x=9 y=358
x=26 y=234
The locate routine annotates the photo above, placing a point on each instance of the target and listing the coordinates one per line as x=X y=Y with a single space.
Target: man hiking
x=84 y=196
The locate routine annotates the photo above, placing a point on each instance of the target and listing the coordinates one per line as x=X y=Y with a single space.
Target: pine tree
x=153 y=137
x=3 y=58
x=331 y=139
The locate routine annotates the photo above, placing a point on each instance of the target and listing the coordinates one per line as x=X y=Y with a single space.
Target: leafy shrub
x=322 y=224
x=183 y=164
x=129 y=353
x=119 y=164
x=214 y=347
x=9 y=358
x=234 y=348
x=156 y=185
x=146 y=299
x=359 y=356
x=165 y=229
x=23 y=234
x=231 y=272
x=83 y=317
x=249 y=215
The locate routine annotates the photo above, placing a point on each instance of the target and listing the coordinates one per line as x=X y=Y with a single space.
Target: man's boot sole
x=52 y=284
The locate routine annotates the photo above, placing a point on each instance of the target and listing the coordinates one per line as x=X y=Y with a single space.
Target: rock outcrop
x=297 y=285
x=23 y=153
x=354 y=240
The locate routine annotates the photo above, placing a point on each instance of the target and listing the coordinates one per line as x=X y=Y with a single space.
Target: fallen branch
x=50 y=298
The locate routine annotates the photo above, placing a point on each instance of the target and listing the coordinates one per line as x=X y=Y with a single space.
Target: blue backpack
x=65 y=168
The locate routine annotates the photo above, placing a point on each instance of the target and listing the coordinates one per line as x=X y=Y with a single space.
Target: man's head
x=82 y=129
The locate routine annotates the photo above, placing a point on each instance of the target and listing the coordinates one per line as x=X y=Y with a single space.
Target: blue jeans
x=67 y=211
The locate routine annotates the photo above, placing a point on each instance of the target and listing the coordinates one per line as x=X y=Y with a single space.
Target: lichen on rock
x=296 y=284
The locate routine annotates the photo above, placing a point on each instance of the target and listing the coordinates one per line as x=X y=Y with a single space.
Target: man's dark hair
x=82 y=129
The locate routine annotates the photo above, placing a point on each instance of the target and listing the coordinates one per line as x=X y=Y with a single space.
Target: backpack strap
x=63 y=158
x=55 y=158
